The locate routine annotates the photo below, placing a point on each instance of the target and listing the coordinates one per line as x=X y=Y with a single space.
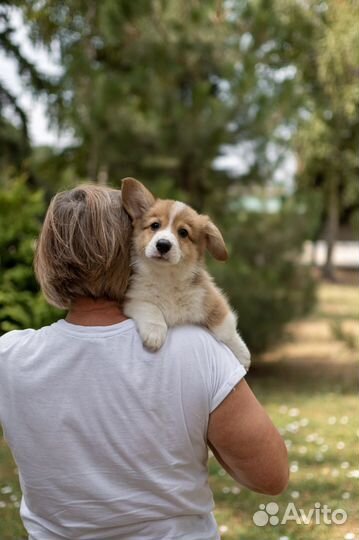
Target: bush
x=21 y=211
x=264 y=279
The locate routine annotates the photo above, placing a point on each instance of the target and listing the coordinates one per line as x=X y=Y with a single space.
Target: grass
x=307 y=385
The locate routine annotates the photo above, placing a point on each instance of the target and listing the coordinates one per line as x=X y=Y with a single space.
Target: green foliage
x=156 y=89
x=266 y=284
x=148 y=89
x=327 y=137
x=14 y=138
x=21 y=209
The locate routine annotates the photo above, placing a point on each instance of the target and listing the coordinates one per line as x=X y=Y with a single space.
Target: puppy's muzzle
x=163 y=246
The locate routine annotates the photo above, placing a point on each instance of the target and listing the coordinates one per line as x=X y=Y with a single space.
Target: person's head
x=84 y=246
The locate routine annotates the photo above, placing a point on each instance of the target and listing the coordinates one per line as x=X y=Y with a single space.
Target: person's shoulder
x=16 y=338
x=192 y=337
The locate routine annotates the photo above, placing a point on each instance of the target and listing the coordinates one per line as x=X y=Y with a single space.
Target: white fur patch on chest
x=179 y=302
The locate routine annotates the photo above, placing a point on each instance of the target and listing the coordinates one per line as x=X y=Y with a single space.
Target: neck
x=95 y=312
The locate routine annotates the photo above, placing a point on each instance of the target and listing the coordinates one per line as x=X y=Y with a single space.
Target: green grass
x=308 y=387
x=322 y=456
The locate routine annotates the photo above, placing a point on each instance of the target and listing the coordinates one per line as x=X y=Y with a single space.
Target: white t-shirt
x=110 y=439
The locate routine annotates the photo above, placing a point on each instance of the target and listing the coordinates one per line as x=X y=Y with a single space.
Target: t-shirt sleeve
x=225 y=372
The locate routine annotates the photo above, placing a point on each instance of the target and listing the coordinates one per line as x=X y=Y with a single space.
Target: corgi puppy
x=170 y=285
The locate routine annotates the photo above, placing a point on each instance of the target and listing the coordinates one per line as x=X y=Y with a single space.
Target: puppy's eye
x=155 y=226
x=183 y=233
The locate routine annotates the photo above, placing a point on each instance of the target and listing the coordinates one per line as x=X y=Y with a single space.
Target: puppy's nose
x=163 y=246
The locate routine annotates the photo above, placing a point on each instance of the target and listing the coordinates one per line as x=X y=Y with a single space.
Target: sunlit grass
x=320 y=433
x=310 y=393
x=308 y=387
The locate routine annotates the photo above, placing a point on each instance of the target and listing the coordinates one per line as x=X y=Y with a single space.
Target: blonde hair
x=84 y=246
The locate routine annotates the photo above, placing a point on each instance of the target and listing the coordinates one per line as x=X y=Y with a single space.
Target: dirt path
x=325 y=345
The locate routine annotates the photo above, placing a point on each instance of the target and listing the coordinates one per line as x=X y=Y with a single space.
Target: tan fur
x=175 y=288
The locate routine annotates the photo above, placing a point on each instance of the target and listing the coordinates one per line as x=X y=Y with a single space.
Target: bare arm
x=246 y=443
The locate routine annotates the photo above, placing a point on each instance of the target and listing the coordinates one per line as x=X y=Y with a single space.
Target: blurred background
x=247 y=110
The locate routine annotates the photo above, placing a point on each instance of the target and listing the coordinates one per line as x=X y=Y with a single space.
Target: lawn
x=308 y=386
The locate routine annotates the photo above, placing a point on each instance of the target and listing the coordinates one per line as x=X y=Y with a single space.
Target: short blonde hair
x=84 y=246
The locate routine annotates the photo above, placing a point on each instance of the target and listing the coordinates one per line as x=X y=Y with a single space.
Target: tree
x=14 y=136
x=154 y=90
x=148 y=79
x=328 y=137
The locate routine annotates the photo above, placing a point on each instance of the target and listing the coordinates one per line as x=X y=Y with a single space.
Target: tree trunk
x=102 y=176
x=92 y=164
x=331 y=232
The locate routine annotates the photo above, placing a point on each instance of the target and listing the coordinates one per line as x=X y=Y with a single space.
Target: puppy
x=170 y=285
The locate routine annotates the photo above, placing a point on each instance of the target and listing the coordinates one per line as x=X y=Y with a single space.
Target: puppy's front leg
x=227 y=332
x=150 y=322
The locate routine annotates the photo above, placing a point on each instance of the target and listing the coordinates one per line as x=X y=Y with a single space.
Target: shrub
x=264 y=279
x=21 y=211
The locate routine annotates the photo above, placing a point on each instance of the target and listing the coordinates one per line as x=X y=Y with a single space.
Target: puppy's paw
x=153 y=335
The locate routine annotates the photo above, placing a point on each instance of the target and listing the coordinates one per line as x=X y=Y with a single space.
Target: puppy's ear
x=136 y=198
x=215 y=242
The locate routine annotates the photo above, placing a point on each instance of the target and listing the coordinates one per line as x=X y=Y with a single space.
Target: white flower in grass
x=5 y=490
x=235 y=490
x=346 y=495
x=223 y=529
x=311 y=437
x=349 y=536
x=294 y=412
x=332 y=420
x=353 y=474
x=324 y=448
x=344 y=420
x=341 y=445
x=294 y=467
x=303 y=450
x=221 y=472
x=284 y=538
x=335 y=473
x=319 y=456
x=304 y=422
x=2 y=504
x=295 y=494
x=13 y=498
x=226 y=490
x=345 y=465
x=292 y=427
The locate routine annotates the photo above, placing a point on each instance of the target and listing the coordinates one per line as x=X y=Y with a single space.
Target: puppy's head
x=169 y=232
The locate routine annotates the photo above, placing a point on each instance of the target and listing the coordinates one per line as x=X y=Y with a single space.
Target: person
x=111 y=440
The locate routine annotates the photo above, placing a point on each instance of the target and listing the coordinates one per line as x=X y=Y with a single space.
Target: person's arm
x=246 y=443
